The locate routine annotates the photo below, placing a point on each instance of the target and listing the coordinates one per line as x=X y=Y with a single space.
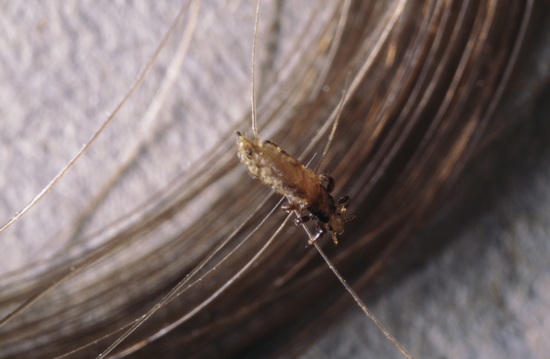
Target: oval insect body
x=289 y=177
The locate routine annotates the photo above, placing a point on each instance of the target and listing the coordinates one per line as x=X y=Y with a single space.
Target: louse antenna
x=254 y=126
x=336 y=120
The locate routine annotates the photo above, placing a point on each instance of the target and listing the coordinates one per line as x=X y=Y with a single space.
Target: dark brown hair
x=427 y=85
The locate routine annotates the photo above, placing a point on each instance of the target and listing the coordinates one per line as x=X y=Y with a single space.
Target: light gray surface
x=65 y=65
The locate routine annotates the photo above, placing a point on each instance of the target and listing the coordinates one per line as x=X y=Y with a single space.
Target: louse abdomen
x=275 y=168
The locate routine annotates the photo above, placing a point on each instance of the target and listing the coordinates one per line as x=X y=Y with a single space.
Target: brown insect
x=303 y=188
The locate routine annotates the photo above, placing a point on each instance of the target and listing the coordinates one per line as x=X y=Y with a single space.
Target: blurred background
x=443 y=146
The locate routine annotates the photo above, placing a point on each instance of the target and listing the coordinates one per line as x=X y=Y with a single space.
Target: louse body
x=303 y=188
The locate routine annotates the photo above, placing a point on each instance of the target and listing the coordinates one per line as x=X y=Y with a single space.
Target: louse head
x=336 y=223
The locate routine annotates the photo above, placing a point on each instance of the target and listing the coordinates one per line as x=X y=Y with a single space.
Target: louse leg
x=334 y=239
x=349 y=218
x=330 y=181
x=302 y=219
x=289 y=207
x=343 y=204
